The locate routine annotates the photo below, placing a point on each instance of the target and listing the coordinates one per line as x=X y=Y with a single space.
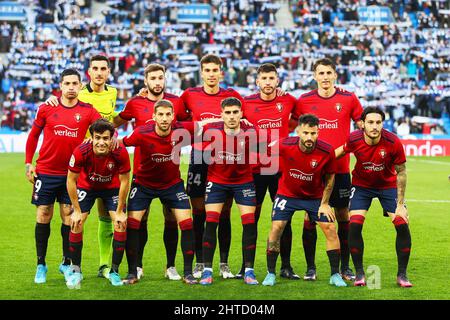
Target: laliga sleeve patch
x=72 y=161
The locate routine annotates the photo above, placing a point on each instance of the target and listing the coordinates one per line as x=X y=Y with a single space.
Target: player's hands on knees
x=120 y=221
x=280 y=92
x=402 y=212
x=143 y=92
x=75 y=220
x=30 y=170
x=327 y=211
x=52 y=101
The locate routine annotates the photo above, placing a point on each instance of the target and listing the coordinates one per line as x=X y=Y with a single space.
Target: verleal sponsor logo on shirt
x=328 y=124
x=209 y=115
x=297 y=174
x=161 y=157
x=269 y=123
x=370 y=166
x=229 y=156
x=64 y=131
x=95 y=177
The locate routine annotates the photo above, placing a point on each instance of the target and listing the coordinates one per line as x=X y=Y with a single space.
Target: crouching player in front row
x=307 y=178
x=97 y=172
x=380 y=171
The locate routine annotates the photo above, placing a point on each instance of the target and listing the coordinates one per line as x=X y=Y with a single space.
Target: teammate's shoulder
x=178 y=125
x=136 y=98
x=254 y=96
x=171 y=96
x=149 y=127
x=323 y=146
x=215 y=125
x=345 y=93
x=43 y=107
x=356 y=135
x=389 y=136
x=192 y=90
x=85 y=148
x=289 y=141
x=308 y=94
x=85 y=104
x=119 y=152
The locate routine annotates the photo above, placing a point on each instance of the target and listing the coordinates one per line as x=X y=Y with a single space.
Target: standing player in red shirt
x=140 y=108
x=204 y=103
x=158 y=176
x=64 y=128
x=229 y=174
x=271 y=113
x=306 y=183
x=96 y=172
x=335 y=109
x=380 y=171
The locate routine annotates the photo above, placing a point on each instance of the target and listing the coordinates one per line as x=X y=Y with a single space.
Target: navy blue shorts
x=197 y=175
x=174 y=197
x=264 y=183
x=340 y=196
x=86 y=198
x=361 y=198
x=285 y=207
x=48 y=188
x=243 y=194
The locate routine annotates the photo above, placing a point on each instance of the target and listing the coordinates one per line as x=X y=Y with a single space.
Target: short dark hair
x=100 y=126
x=100 y=57
x=368 y=110
x=210 y=58
x=162 y=104
x=324 y=62
x=309 y=119
x=231 y=101
x=152 y=67
x=267 y=67
x=69 y=72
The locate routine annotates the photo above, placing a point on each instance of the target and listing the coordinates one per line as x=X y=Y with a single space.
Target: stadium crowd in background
x=404 y=68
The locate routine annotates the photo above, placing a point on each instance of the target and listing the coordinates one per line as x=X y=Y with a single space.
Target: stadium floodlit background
x=392 y=54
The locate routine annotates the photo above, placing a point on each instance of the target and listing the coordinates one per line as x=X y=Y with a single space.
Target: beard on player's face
x=156 y=90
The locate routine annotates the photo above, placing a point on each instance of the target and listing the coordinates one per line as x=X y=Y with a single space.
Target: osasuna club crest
x=314 y=163
x=338 y=107
x=383 y=153
x=173 y=143
x=110 y=165
x=77 y=117
x=279 y=107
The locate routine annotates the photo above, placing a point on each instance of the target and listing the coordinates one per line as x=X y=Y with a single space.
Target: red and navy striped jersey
x=64 y=128
x=159 y=166
x=375 y=164
x=99 y=172
x=335 y=114
x=302 y=174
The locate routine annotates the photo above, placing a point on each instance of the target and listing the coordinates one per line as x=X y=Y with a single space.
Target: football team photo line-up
x=241 y=149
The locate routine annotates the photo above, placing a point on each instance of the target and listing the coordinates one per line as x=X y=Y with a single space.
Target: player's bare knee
x=44 y=213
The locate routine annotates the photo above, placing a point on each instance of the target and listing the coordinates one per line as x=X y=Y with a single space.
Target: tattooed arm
x=401 y=186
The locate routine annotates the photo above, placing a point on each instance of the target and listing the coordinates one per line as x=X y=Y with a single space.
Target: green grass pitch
x=428 y=179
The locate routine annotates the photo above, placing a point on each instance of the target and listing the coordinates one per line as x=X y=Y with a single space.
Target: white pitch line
x=419 y=200
x=431 y=161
